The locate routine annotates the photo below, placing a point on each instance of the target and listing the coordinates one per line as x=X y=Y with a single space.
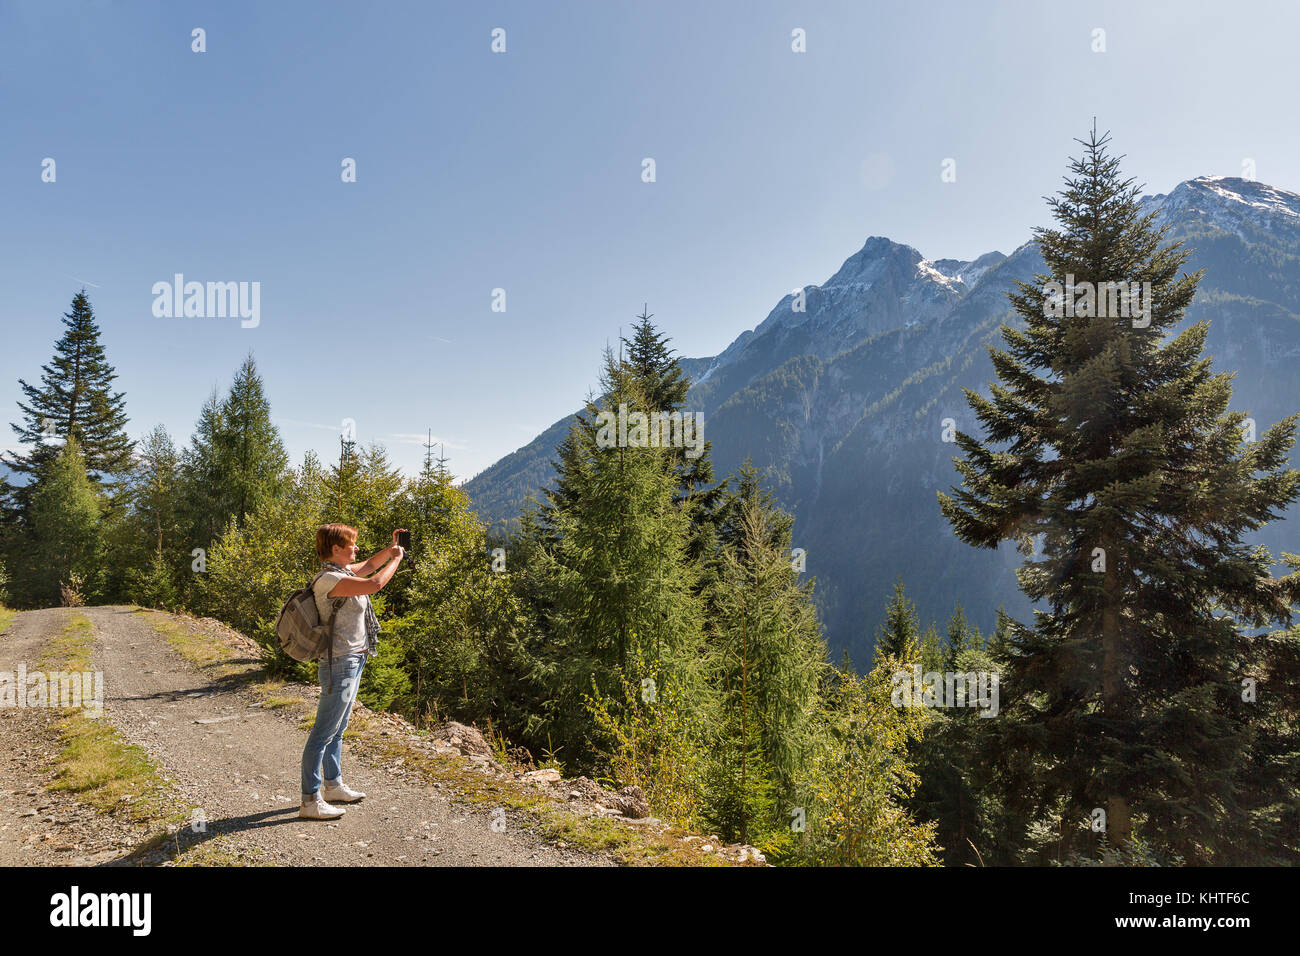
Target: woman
x=355 y=633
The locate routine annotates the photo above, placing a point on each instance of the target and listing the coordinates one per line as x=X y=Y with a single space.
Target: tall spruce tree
x=1111 y=439
x=767 y=659
x=1274 y=801
x=203 y=472
x=655 y=367
x=75 y=398
x=778 y=525
x=646 y=361
x=900 y=630
x=252 y=446
x=155 y=489
x=961 y=636
x=149 y=546
x=236 y=460
x=615 y=563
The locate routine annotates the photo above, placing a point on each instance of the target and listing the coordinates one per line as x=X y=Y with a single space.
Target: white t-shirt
x=350 y=622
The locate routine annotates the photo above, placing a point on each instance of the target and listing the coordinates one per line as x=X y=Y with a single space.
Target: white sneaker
x=315 y=808
x=340 y=792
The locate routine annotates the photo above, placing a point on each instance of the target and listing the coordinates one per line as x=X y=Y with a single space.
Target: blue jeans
x=325 y=742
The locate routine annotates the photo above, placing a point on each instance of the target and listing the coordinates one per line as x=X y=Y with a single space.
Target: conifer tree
x=155 y=488
x=778 y=525
x=344 y=473
x=236 y=460
x=659 y=375
x=652 y=363
x=958 y=789
x=649 y=366
x=999 y=644
x=250 y=568
x=204 y=472
x=961 y=636
x=149 y=545
x=767 y=660
x=61 y=543
x=616 y=564
x=1272 y=802
x=861 y=777
x=900 y=630
x=931 y=645
x=252 y=445
x=365 y=491
x=75 y=398
x=1110 y=437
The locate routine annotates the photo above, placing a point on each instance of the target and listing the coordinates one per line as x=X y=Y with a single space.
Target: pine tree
x=204 y=472
x=647 y=365
x=61 y=544
x=154 y=493
x=767 y=659
x=1112 y=440
x=74 y=399
x=251 y=567
x=461 y=619
x=345 y=472
x=778 y=526
x=958 y=789
x=658 y=373
x=149 y=544
x=999 y=642
x=1273 y=801
x=900 y=630
x=961 y=636
x=616 y=565
x=652 y=363
x=366 y=492
x=742 y=799
x=931 y=649
x=251 y=444
x=236 y=461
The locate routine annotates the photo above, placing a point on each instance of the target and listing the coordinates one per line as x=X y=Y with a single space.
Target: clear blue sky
x=522 y=171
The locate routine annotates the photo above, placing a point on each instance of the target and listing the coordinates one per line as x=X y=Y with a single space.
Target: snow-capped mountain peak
x=1231 y=204
x=968 y=273
x=1257 y=195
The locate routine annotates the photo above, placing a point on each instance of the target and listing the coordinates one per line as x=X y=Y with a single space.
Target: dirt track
x=240 y=767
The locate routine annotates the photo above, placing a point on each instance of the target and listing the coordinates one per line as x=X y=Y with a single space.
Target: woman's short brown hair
x=330 y=536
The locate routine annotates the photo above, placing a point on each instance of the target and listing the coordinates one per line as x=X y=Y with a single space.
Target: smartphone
x=404 y=540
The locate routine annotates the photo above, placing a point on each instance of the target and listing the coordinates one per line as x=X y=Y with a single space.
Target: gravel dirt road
x=235 y=760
